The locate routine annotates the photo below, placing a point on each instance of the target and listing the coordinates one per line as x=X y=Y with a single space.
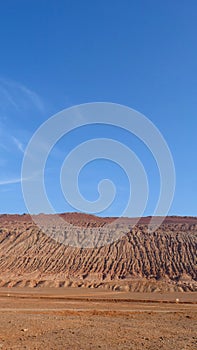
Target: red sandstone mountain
x=139 y=260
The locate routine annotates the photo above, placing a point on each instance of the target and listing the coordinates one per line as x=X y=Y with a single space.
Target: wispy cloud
x=17 y=180
x=18 y=96
x=18 y=144
x=33 y=96
x=10 y=181
x=7 y=97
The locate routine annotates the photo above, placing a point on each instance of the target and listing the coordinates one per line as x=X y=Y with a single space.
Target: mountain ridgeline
x=139 y=260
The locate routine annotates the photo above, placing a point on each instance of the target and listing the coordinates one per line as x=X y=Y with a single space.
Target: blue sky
x=56 y=54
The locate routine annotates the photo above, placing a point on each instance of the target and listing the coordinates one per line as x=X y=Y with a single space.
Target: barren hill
x=138 y=261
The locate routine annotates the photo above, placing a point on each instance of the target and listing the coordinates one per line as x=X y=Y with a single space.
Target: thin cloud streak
x=18 y=180
x=33 y=96
x=10 y=181
x=18 y=95
x=18 y=144
x=8 y=97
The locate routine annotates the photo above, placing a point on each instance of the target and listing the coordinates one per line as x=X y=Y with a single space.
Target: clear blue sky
x=59 y=53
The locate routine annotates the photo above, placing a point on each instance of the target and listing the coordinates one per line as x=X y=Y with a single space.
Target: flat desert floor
x=86 y=319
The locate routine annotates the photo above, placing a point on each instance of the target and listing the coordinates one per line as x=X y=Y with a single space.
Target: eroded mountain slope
x=140 y=260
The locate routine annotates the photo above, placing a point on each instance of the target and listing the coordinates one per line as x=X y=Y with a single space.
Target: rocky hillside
x=138 y=261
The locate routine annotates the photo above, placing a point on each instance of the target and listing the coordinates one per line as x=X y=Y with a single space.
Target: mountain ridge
x=139 y=261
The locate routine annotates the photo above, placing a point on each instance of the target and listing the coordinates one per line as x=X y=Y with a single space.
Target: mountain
x=139 y=260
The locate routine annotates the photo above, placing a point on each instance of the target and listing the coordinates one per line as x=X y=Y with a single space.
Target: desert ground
x=138 y=291
x=80 y=318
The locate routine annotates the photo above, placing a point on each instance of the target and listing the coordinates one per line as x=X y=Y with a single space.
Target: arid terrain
x=75 y=318
x=140 y=260
x=137 y=292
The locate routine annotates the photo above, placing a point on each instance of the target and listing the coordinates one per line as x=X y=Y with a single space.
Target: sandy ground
x=95 y=319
